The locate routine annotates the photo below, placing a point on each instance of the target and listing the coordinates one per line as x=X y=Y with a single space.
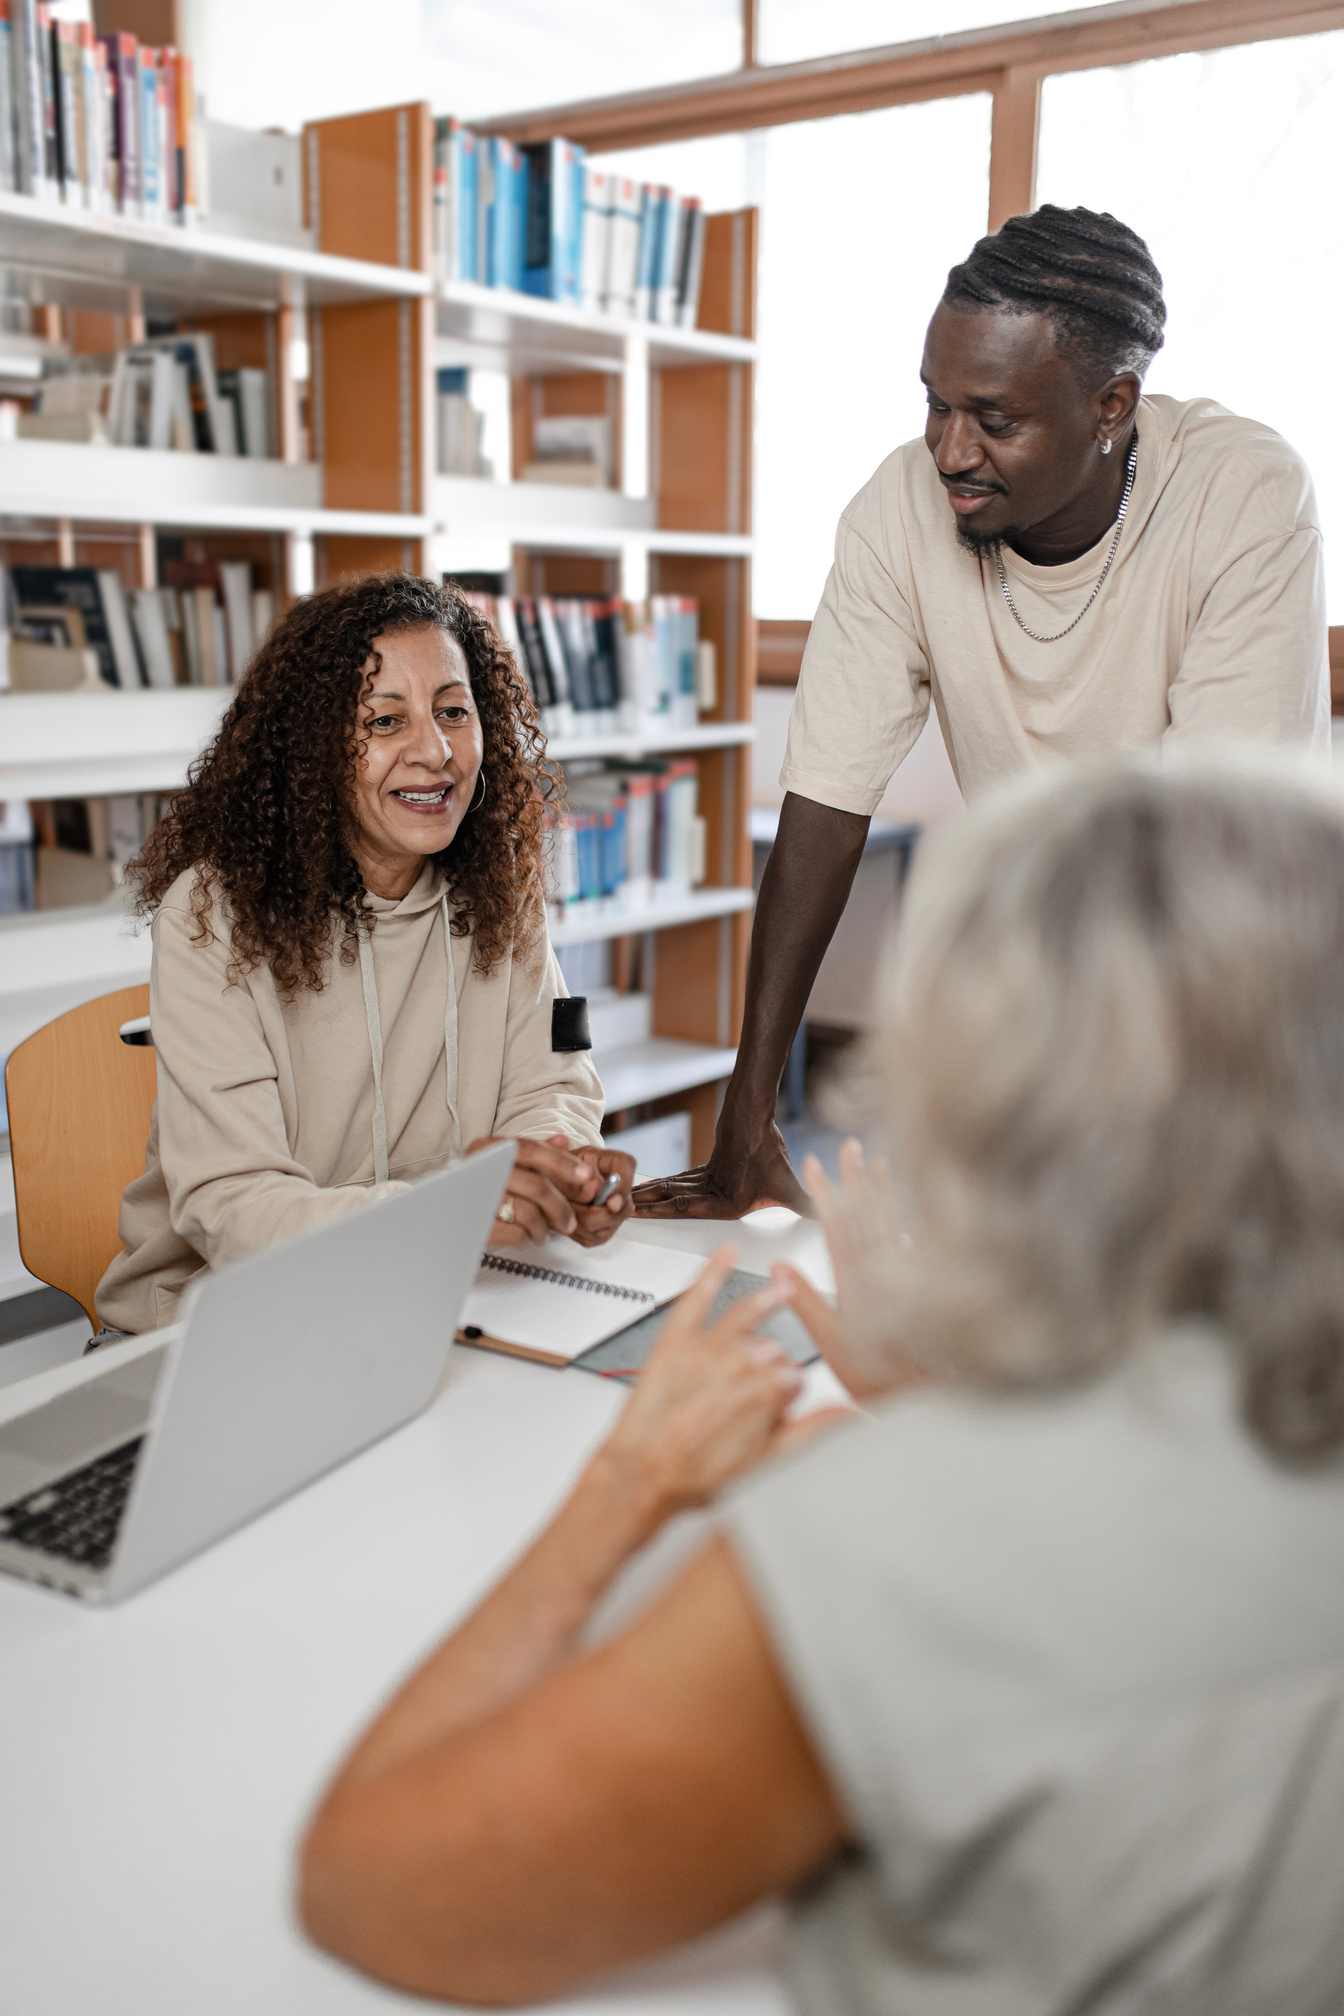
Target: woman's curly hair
x=267 y=817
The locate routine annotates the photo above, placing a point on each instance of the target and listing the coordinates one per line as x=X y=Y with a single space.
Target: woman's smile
x=437 y=799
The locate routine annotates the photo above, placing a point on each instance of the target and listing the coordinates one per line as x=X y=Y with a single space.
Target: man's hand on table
x=735 y=1180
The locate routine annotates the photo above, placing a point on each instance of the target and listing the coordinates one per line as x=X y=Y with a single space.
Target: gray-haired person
x=1028 y=1691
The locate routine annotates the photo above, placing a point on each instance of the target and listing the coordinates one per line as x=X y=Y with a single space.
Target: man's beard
x=984 y=545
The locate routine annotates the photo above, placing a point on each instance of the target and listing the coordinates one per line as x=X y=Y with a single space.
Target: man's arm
x=805 y=888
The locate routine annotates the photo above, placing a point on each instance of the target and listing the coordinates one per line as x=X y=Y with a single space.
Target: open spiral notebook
x=554 y=1302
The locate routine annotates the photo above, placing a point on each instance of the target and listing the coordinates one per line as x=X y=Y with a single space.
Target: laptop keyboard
x=76 y=1517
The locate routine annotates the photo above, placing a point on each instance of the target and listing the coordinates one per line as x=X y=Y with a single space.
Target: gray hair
x=1114 y=1059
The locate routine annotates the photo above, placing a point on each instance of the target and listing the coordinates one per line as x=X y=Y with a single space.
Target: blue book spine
x=506 y=215
x=613 y=851
x=650 y=218
x=590 y=873
x=517 y=216
x=671 y=237
x=490 y=211
x=466 y=191
x=566 y=220
x=688 y=626
x=149 y=139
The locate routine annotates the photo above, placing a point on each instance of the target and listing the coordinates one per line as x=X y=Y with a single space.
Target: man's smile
x=966 y=498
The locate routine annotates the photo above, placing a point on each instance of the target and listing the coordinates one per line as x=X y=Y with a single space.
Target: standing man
x=1065 y=568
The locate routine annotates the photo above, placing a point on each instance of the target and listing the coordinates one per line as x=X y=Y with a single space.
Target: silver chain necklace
x=1101 y=579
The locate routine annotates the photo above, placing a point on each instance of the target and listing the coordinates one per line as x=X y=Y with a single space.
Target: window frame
x=1010 y=61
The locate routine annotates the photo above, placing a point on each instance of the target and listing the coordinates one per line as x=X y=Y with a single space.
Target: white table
x=157 y=1759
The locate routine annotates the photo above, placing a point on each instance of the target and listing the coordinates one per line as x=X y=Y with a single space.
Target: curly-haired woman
x=365 y=826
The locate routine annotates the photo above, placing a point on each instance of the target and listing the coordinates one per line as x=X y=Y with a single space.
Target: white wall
x=279 y=62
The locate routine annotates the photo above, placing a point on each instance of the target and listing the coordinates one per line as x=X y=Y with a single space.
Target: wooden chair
x=79 y=1096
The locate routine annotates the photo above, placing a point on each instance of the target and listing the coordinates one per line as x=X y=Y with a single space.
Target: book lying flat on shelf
x=553 y=1302
x=97 y=593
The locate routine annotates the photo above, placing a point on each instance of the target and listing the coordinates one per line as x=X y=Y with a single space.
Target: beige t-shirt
x=1211 y=624
x=263 y=1124
x=1075 y=1666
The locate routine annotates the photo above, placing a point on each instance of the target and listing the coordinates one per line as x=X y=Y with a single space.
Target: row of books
x=162 y=393
x=102 y=123
x=200 y=628
x=545 y=220
x=62 y=851
x=627 y=836
x=598 y=666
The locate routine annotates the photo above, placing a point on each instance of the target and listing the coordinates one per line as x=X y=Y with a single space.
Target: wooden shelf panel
x=657 y=1068
x=87 y=261
x=661 y=915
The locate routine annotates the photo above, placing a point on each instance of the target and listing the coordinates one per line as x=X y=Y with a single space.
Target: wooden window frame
x=1010 y=62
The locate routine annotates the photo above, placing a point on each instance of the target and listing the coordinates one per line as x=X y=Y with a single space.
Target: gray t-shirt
x=1076 y=1667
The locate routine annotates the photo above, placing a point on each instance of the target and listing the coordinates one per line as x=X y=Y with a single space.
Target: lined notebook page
x=562 y=1299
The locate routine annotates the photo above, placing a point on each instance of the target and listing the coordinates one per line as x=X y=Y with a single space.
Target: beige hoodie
x=264 y=1125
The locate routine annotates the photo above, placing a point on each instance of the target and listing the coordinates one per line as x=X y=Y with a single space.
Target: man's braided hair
x=1088 y=272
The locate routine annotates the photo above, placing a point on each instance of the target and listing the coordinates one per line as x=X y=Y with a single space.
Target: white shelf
x=555 y=511
x=555 y=517
x=520 y=333
x=67 y=479
x=652 y=742
x=52 y=960
x=655 y=1069
x=660 y=915
x=88 y=261
x=91 y=745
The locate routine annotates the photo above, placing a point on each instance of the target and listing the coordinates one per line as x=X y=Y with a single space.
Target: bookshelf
x=81 y=745
x=366 y=495
x=677 y=522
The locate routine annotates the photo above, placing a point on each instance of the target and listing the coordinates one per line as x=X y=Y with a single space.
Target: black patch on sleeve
x=569 y=1023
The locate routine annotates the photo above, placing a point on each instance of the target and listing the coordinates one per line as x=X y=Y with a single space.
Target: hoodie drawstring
x=374 y=1021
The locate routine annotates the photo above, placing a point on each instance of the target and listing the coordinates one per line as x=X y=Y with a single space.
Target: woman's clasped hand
x=553 y=1187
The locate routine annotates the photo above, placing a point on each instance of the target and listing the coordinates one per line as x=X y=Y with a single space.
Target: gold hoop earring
x=477 y=803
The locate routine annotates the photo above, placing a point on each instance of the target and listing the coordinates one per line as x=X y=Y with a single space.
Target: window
x=860 y=219
x=791 y=31
x=1226 y=163
x=486 y=57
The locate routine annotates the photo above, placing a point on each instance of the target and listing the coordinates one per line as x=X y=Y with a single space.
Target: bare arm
x=803 y=892
x=632 y=1799
x=479 y=1841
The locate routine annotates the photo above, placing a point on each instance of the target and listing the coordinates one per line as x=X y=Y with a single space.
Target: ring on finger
x=505 y=1212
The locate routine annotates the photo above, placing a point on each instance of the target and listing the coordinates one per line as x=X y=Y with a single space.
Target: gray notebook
x=629 y=1348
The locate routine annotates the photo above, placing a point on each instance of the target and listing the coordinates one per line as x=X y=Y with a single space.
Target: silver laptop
x=282 y=1366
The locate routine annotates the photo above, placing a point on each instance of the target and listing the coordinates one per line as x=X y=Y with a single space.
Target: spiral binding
x=500 y=1265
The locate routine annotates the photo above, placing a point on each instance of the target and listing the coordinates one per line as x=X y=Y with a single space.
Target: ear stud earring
x=1105 y=447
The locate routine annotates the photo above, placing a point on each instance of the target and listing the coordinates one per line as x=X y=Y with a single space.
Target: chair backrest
x=79 y=1104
